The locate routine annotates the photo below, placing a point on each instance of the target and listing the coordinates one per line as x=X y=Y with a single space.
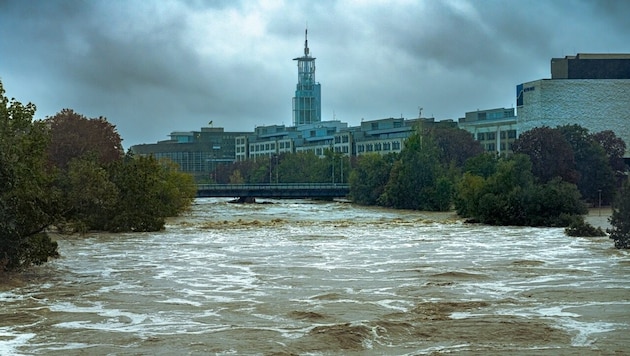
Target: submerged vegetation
x=69 y=172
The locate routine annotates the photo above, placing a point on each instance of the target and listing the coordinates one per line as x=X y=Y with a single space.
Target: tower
x=307 y=105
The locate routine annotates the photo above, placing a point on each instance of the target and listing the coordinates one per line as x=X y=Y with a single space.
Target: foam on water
x=333 y=264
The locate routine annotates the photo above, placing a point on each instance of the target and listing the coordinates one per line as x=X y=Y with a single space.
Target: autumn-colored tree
x=75 y=136
x=455 y=145
x=550 y=154
x=597 y=179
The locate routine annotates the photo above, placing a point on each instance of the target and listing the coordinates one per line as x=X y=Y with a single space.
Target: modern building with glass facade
x=307 y=102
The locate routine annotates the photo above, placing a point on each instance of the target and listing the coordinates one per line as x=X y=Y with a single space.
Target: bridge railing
x=274 y=190
x=272 y=186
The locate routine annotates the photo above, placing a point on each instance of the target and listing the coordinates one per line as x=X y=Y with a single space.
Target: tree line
x=551 y=178
x=70 y=173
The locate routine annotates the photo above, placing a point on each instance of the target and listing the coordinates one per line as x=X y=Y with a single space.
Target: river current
x=299 y=277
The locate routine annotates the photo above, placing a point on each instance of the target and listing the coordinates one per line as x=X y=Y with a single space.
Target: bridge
x=277 y=190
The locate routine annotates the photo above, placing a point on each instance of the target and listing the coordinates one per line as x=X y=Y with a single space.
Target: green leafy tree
x=620 y=218
x=90 y=196
x=468 y=195
x=368 y=178
x=511 y=196
x=302 y=167
x=27 y=200
x=413 y=178
x=149 y=191
x=483 y=165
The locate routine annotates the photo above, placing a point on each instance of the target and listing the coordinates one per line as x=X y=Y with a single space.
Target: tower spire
x=306 y=42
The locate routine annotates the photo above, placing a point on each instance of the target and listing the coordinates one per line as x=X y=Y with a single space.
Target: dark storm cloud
x=152 y=67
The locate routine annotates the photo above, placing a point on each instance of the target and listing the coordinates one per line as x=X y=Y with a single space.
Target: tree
x=89 y=195
x=149 y=191
x=368 y=178
x=74 y=136
x=27 y=199
x=614 y=147
x=620 y=218
x=550 y=153
x=511 y=196
x=414 y=177
x=596 y=176
x=455 y=145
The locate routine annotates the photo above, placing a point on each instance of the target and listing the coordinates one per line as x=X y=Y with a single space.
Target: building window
x=375 y=126
x=491 y=136
x=503 y=135
x=360 y=148
x=491 y=147
x=345 y=139
x=481 y=136
x=512 y=134
x=395 y=145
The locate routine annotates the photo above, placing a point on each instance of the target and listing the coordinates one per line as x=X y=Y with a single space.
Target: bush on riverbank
x=69 y=172
x=620 y=218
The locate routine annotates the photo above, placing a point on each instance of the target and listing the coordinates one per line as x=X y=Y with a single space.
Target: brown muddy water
x=322 y=278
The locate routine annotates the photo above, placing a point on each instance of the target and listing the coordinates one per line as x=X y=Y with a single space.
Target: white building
x=588 y=96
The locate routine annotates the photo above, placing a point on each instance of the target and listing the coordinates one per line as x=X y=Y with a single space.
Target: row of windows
x=490 y=136
x=262 y=147
x=379 y=146
x=492 y=147
x=340 y=139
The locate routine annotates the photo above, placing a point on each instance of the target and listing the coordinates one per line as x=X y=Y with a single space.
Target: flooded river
x=321 y=278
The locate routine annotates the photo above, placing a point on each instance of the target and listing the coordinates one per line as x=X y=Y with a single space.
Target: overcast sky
x=153 y=67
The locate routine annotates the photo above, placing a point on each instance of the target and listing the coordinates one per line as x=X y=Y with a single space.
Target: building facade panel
x=596 y=104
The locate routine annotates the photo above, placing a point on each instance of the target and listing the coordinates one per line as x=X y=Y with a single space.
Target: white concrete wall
x=596 y=104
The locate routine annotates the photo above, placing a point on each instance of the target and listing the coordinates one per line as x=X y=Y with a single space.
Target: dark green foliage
x=27 y=200
x=511 y=197
x=368 y=178
x=89 y=195
x=591 y=161
x=550 y=153
x=413 y=179
x=614 y=147
x=579 y=227
x=620 y=218
x=101 y=189
x=148 y=192
x=483 y=165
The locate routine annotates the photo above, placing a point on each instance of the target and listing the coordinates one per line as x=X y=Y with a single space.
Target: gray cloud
x=159 y=66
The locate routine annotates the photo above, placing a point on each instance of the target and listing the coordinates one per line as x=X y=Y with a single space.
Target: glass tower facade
x=307 y=105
